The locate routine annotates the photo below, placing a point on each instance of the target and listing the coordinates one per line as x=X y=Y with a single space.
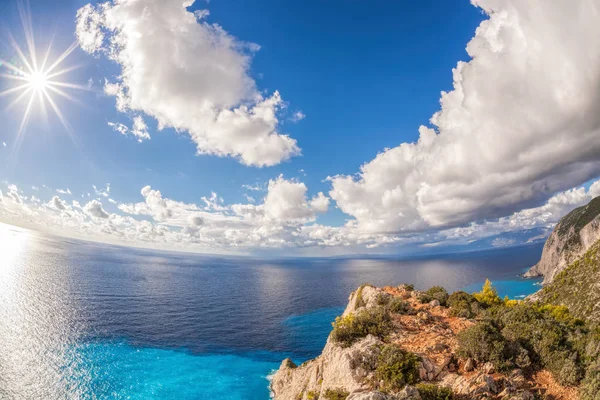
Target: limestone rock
x=469 y=365
x=573 y=235
x=368 y=396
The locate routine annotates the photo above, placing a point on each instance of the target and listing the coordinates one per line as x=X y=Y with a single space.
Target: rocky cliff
x=573 y=236
x=577 y=286
x=410 y=352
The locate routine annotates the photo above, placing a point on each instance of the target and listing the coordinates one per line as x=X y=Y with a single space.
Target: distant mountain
x=573 y=236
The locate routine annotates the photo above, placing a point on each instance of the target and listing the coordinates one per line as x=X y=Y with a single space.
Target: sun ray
x=25 y=13
x=45 y=60
x=63 y=94
x=19 y=98
x=62 y=57
x=34 y=78
x=13 y=90
x=59 y=114
x=14 y=77
x=63 y=71
x=21 y=55
x=69 y=85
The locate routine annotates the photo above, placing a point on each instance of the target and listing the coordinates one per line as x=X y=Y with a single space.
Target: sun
x=36 y=79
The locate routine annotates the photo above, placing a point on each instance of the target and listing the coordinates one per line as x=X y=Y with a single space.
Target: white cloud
x=139 y=130
x=63 y=191
x=101 y=192
x=94 y=208
x=285 y=219
x=4 y=144
x=58 y=204
x=203 y=89
x=298 y=116
x=520 y=125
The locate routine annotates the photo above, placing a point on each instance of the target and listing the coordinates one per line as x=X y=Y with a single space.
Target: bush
x=312 y=395
x=336 y=394
x=437 y=293
x=488 y=295
x=462 y=304
x=406 y=286
x=550 y=342
x=374 y=321
x=590 y=386
x=398 y=306
x=383 y=298
x=483 y=342
x=429 y=391
x=396 y=368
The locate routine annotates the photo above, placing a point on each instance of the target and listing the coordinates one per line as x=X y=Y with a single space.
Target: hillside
x=397 y=343
x=577 y=286
x=573 y=235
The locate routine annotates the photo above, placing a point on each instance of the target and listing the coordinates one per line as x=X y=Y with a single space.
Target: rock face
x=577 y=286
x=573 y=236
x=335 y=368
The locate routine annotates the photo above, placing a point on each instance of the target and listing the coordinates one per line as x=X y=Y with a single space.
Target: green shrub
x=590 y=385
x=488 y=295
x=462 y=304
x=437 y=293
x=406 y=286
x=396 y=368
x=336 y=394
x=374 y=321
x=483 y=342
x=398 y=306
x=383 y=298
x=429 y=391
x=312 y=395
x=550 y=342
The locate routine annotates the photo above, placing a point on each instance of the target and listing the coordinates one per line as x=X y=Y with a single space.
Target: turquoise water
x=88 y=321
x=517 y=288
x=118 y=370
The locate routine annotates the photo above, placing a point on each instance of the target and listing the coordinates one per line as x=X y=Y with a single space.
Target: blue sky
x=365 y=78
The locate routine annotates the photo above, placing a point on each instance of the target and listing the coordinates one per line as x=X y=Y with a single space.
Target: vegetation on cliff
x=400 y=343
x=578 y=286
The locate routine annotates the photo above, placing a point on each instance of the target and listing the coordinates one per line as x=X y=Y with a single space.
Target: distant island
x=398 y=343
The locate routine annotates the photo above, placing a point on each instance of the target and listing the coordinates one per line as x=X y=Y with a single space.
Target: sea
x=80 y=320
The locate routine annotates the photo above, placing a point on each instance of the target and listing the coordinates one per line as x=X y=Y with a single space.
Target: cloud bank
x=189 y=75
x=285 y=219
x=521 y=124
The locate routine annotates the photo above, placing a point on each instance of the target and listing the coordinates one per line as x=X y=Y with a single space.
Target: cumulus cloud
x=203 y=87
x=285 y=219
x=58 y=204
x=520 y=125
x=94 y=208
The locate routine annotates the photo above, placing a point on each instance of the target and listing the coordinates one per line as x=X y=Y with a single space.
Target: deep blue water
x=82 y=320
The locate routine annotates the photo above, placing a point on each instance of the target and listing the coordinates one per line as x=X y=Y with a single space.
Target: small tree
x=488 y=295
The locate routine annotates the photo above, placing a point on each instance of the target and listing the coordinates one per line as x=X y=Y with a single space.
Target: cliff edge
x=574 y=234
x=396 y=343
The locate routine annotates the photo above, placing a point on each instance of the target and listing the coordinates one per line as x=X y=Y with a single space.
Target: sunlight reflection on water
x=38 y=332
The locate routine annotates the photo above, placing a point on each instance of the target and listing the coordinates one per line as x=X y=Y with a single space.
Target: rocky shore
x=425 y=329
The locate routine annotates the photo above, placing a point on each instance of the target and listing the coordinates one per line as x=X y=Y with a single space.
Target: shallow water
x=82 y=320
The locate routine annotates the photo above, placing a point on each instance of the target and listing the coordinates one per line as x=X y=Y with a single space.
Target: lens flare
x=36 y=80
